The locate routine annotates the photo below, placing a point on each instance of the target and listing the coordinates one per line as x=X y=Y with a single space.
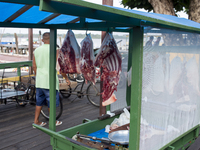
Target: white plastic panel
x=170 y=87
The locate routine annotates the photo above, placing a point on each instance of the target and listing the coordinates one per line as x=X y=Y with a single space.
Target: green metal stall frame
x=112 y=18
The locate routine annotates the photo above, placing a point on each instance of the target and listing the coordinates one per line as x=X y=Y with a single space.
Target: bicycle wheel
x=31 y=94
x=93 y=94
x=21 y=99
x=59 y=110
x=66 y=93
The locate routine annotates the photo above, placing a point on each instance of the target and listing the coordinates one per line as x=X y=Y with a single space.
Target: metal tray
x=121 y=136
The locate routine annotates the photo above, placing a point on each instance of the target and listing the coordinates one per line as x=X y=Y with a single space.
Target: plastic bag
x=69 y=54
x=87 y=60
x=123 y=119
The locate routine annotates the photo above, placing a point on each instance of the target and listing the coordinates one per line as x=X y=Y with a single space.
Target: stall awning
x=78 y=14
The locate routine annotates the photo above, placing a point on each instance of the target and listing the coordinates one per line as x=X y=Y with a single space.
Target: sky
x=116 y=3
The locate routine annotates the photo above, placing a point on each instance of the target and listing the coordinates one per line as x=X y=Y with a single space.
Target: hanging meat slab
x=69 y=55
x=109 y=58
x=87 y=60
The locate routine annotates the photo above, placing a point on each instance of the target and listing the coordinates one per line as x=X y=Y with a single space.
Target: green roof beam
x=93 y=25
x=85 y=12
x=165 y=26
x=23 y=25
x=95 y=11
x=63 y=26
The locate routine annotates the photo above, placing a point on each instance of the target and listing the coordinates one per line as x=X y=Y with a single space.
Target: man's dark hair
x=46 y=35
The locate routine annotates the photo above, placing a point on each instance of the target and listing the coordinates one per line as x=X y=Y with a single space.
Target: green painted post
x=136 y=86
x=52 y=79
x=131 y=47
x=19 y=73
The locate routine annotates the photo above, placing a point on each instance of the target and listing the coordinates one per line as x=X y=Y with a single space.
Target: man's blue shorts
x=42 y=97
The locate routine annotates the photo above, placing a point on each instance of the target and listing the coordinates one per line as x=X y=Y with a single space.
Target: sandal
x=42 y=124
x=58 y=123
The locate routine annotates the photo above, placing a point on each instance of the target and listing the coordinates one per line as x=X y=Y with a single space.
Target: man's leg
x=57 y=104
x=40 y=100
x=37 y=114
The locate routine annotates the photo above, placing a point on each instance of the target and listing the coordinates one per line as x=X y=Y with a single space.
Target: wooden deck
x=17 y=133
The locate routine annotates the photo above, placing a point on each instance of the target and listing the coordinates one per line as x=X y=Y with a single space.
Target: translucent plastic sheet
x=170 y=87
x=121 y=88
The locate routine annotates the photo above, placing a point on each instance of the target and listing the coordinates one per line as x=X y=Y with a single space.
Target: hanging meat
x=69 y=55
x=110 y=60
x=87 y=60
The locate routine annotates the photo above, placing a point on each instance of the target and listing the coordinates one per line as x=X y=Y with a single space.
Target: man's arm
x=34 y=65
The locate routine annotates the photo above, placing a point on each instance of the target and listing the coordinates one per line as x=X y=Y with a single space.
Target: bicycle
x=15 y=90
x=92 y=91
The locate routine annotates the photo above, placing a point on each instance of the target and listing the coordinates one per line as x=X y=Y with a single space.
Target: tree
x=169 y=7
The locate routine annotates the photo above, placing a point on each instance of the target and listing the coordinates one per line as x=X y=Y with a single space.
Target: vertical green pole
x=19 y=73
x=136 y=86
x=52 y=79
x=128 y=91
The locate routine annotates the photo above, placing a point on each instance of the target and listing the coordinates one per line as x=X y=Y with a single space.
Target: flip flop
x=58 y=123
x=42 y=124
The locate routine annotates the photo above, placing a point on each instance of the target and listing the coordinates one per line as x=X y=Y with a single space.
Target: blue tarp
x=33 y=15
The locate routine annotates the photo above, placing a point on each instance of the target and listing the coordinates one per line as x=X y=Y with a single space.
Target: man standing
x=149 y=42
x=41 y=70
x=157 y=42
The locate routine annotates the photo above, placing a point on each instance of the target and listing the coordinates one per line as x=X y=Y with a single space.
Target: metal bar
x=78 y=27
x=18 y=13
x=15 y=64
x=22 y=25
x=136 y=87
x=52 y=79
x=95 y=25
x=48 y=18
x=183 y=139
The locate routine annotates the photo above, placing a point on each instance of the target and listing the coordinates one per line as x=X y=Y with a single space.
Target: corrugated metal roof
x=28 y=14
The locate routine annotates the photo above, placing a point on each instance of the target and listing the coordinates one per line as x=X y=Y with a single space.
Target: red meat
x=69 y=55
x=87 y=60
x=110 y=60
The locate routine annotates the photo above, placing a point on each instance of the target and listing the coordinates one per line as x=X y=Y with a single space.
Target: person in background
x=157 y=41
x=41 y=70
x=149 y=42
